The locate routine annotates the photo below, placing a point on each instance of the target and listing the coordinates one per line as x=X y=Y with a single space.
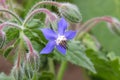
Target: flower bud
x=2 y=38
x=51 y=19
x=31 y=64
x=31 y=57
x=32 y=61
x=70 y=12
x=114 y=26
x=17 y=73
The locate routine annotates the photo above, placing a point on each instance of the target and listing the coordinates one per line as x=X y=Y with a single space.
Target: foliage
x=100 y=58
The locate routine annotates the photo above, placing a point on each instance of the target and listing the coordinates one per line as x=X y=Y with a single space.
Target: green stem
x=51 y=65
x=62 y=70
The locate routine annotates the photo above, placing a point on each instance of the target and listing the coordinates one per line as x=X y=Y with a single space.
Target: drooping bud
x=2 y=38
x=17 y=73
x=70 y=12
x=32 y=56
x=50 y=19
x=114 y=25
x=32 y=60
x=31 y=64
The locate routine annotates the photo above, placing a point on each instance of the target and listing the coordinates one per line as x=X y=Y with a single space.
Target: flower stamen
x=63 y=44
x=62 y=41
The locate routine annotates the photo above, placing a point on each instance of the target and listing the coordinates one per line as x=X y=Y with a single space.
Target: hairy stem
x=2 y=36
x=86 y=27
x=19 y=54
x=9 y=24
x=29 y=44
x=45 y=3
x=13 y=14
x=62 y=70
x=43 y=10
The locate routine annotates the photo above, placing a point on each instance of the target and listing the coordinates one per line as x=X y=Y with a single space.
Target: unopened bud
x=2 y=38
x=51 y=19
x=114 y=26
x=31 y=64
x=70 y=12
x=17 y=73
x=32 y=61
x=31 y=57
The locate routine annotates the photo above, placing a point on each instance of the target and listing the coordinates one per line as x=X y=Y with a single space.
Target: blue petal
x=62 y=26
x=48 y=48
x=49 y=34
x=70 y=34
x=61 y=49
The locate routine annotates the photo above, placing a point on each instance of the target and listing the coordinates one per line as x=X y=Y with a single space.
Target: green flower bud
x=51 y=20
x=17 y=73
x=31 y=64
x=32 y=61
x=70 y=12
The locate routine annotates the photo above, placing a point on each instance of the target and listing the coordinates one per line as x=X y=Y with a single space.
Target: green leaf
x=36 y=37
x=106 y=69
x=7 y=51
x=12 y=34
x=34 y=24
x=76 y=55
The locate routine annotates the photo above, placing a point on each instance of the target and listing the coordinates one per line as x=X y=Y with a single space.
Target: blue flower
x=57 y=39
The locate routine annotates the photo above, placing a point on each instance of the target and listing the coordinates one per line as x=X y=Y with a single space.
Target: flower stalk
x=29 y=44
x=61 y=71
x=9 y=24
x=51 y=65
x=20 y=52
x=45 y=3
x=86 y=27
x=13 y=14
x=2 y=38
x=43 y=10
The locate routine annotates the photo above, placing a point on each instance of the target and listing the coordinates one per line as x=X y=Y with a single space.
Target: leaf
x=76 y=55
x=34 y=24
x=12 y=34
x=106 y=69
x=7 y=51
x=36 y=37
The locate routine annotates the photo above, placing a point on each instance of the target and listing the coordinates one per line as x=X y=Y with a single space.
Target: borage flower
x=58 y=39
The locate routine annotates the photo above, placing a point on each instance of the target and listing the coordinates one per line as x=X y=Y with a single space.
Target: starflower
x=58 y=39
